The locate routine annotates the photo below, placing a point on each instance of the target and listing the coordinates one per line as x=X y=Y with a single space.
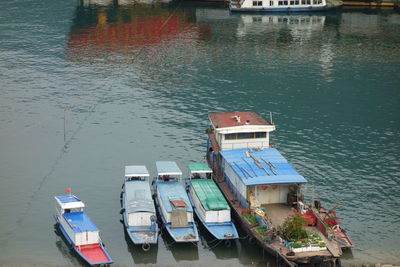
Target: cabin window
x=280 y=3
x=257 y=3
x=303 y=2
x=271 y=3
x=291 y=2
x=261 y=135
x=235 y=136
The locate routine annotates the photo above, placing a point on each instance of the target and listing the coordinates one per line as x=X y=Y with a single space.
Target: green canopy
x=209 y=194
x=199 y=168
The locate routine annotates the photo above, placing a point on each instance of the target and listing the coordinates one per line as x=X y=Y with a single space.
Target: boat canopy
x=199 y=168
x=69 y=202
x=80 y=222
x=138 y=197
x=261 y=166
x=209 y=195
x=136 y=171
x=167 y=168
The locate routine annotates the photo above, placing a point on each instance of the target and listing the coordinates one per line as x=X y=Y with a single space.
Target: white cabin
x=138 y=202
x=234 y=130
x=76 y=224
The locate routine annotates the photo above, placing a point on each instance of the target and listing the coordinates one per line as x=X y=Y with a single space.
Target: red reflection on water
x=141 y=31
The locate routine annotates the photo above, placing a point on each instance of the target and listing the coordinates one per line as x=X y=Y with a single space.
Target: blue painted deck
x=183 y=234
x=179 y=234
x=222 y=231
x=143 y=235
x=80 y=222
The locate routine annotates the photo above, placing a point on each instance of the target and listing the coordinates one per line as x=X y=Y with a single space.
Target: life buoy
x=274 y=187
x=264 y=187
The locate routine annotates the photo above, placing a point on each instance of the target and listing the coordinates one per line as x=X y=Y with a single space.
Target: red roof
x=231 y=119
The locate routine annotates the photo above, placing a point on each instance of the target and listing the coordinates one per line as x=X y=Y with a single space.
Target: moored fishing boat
x=209 y=204
x=138 y=209
x=79 y=230
x=173 y=203
x=264 y=190
x=282 y=5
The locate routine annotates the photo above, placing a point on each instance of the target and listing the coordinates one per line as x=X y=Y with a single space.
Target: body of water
x=87 y=88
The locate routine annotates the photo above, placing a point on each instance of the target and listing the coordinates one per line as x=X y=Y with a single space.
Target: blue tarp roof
x=174 y=191
x=251 y=173
x=80 y=222
x=68 y=199
x=168 y=168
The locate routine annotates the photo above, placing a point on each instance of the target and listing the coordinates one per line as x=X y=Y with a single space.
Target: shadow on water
x=180 y=251
x=138 y=255
x=221 y=249
x=66 y=249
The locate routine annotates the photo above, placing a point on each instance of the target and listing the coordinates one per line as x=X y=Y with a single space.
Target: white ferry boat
x=173 y=203
x=209 y=204
x=138 y=208
x=282 y=5
x=79 y=230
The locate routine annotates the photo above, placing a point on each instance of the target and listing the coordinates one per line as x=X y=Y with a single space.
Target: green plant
x=250 y=218
x=322 y=245
x=295 y=245
x=260 y=229
x=293 y=228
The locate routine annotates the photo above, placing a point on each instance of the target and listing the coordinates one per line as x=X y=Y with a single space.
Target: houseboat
x=264 y=190
x=138 y=210
x=282 y=5
x=173 y=203
x=79 y=230
x=209 y=204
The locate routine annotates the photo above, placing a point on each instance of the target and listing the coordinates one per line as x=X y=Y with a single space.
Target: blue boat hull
x=140 y=235
x=77 y=250
x=181 y=234
x=221 y=231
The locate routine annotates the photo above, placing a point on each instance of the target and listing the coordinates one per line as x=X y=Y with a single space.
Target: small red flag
x=68 y=190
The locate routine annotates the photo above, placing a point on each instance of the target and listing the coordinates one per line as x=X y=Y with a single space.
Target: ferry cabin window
x=235 y=136
x=271 y=3
x=257 y=3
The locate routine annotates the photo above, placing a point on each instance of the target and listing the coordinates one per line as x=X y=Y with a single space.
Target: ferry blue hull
x=77 y=250
x=221 y=231
x=177 y=234
x=140 y=235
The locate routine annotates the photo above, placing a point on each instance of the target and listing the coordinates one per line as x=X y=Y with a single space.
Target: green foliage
x=322 y=245
x=260 y=229
x=293 y=228
x=250 y=218
x=296 y=245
